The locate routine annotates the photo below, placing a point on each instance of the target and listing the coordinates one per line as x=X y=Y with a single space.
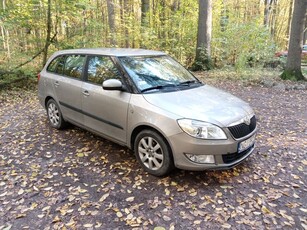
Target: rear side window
x=56 y=65
x=100 y=69
x=74 y=66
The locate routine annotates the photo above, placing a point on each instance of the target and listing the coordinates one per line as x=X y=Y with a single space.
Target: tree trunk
x=145 y=10
x=104 y=17
x=5 y=34
x=162 y=16
x=3 y=37
x=176 y=5
x=224 y=16
x=267 y=10
x=203 y=48
x=48 y=32
x=84 y=27
x=111 y=17
x=289 y=19
x=272 y=20
x=8 y=48
x=293 y=66
x=305 y=31
x=127 y=12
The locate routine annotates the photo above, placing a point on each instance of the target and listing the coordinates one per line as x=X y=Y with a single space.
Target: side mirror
x=112 y=84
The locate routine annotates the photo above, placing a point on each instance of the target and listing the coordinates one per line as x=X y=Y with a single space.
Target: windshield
x=158 y=73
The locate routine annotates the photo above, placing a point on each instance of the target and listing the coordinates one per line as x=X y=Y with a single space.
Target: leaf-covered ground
x=73 y=179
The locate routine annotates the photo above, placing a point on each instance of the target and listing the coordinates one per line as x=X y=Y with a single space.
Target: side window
x=74 y=66
x=60 y=66
x=56 y=65
x=100 y=69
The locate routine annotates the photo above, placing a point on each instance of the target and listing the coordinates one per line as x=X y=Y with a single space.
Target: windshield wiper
x=188 y=82
x=158 y=87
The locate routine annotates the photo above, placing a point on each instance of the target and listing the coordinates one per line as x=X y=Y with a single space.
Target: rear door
x=104 y=111
x=67 y=85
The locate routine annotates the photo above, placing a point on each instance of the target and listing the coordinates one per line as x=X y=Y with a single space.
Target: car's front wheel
x=153 y=153
x=54 y=115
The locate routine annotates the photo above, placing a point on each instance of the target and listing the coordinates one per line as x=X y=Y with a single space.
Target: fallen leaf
x=159 y=228
x=130 y=199
x=88 y=225
x=226 y=225
x=265 y=210
x=56 y=219
x=104 y=197
x=3 y=194
x=219 y=194
x=166 y=218
x=119 y=214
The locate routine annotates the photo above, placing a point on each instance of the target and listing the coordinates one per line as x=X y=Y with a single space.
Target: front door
x=105 y=111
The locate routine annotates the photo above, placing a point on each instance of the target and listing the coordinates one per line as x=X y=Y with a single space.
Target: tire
x=55 y=115
x=153 y=153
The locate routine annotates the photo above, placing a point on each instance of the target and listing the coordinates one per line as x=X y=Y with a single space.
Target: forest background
x=245 y=33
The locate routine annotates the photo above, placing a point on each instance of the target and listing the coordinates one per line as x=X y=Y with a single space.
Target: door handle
x=86 y=93
x=56 y=83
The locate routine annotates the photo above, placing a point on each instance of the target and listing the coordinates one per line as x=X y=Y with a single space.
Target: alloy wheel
x=54 y=114
x=150 y=153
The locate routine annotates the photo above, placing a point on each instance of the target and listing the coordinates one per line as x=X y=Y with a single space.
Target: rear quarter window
x=56 y=65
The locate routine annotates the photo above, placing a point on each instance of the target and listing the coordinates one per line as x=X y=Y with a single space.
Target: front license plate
x=247 y=143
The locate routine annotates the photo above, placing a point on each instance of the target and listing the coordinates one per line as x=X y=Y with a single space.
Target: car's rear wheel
x=153 y=153
x=54 y=115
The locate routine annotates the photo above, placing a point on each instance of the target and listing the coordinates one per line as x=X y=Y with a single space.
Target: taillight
x=38 y=76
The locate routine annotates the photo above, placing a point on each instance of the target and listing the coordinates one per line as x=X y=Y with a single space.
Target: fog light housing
x=201 y=159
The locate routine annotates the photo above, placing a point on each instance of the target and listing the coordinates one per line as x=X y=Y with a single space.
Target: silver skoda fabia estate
x=147 y=101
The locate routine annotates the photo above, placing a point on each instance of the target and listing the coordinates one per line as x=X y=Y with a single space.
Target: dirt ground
x=73 y=179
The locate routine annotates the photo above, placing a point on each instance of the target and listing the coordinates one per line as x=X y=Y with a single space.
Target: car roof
x=119 y=52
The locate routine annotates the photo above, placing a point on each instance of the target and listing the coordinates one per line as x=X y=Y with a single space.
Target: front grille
x=232 y=157
x=242 y=130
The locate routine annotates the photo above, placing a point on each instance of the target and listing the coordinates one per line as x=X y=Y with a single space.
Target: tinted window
x=74 y=66
x=100 y=69
x=56 y=65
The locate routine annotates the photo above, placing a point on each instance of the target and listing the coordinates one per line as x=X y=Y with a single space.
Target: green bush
x=242 y=45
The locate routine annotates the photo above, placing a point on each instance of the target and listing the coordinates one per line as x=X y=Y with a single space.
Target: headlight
x=201 y=129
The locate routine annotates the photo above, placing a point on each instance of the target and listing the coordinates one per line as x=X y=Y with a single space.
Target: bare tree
x=293 y=66
x=203 y=48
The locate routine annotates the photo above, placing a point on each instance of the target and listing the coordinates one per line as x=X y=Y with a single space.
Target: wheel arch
x=140 y=128
x=47 y=99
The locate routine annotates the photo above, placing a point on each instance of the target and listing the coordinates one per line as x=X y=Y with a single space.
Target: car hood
x=204 y=103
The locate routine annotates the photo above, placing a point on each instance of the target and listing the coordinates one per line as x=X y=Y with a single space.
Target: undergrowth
x=249 y=75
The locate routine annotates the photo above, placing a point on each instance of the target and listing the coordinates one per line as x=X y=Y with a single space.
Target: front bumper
x=225 y=152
